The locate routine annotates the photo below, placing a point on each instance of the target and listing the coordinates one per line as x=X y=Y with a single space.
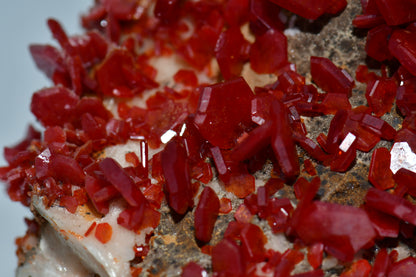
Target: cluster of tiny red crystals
x=227 y=125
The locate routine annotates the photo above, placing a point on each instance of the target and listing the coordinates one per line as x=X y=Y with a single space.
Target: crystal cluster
x=220 y=127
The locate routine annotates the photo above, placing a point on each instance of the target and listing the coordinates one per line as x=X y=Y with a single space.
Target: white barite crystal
x=52 y=258
x=111 y=259
x=402 y=156
x=347 y=142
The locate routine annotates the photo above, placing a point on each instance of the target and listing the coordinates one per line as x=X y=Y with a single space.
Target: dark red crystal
x=282 y=142
x=192 y=269
x=54 y=106
x=391 y=204
x=231 y=52
x=385 y=225
x=340 y=222
x=206 y=214
x=396 y=12
x=268 y=54
x=403 y=268
x=312 y=9
x=378 y=41
x=227 y=259
x=329 y=77
x=380 y=95
x=359 y=268
x=402 y=46
x=116 y=175
x=222 y=111
x=380 y=174
x=381 y=263
x=167 y=10
x=177 y=179
x=118 y=75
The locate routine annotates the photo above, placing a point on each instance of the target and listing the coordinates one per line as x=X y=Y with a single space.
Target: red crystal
x=202 y=171
x=118 y=75
x=138 y=218
x=367 y=20
x=377 y=43
x=54 y=106
x=123 y=10
x=403 y=268
x=186 y=77
x=243 y=214
x=176 y=172
x=103 y=232
x=279 y=216
x=334 y=102
x=94 y=127
x=255 y=141
x=385 y=225
x=380 y=174
x=105 y=193
x=406 y=100
x=91 y=47
x=60 y=35
x=167 y=10
x=65 y=169
x=287 y=262
x=335 y=133
x=49 y=60
x=282 y=142
x=312 y=148
x=378 y=126
x=381 y=263
x=268 y=54
x=90 y=229
x=236 y=12
x=309 y=167
x=407 y=135
x=223 y=108
x=312 y=9
x=360 y=268
x=291 y=82
x=362 y=74
x=263 y=17
x=391 y=204
x=225 y=205
x=69 y=202
x=396 y=12
x=406 y=178
x=239 y=181
x=329 y=77
x=92 y=185
x=115 y=174
x=252 y=243
x=11 y=153
x=313 y=273
x=402 y=45
x=340 y=222
x=342 y=160
x=93 y=106
x=231 y=52
x=198 y=50
x=227 y=259
x=315 y=254
x=380 y=95
x=193 y=270
x=206 y=214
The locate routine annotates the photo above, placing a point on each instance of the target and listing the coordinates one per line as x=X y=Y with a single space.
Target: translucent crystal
x=402 y=157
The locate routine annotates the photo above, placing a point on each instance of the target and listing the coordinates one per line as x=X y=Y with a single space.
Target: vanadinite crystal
x=199 y=124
